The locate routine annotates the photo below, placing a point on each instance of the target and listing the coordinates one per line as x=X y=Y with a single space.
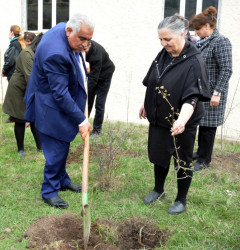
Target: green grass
x=211 y=221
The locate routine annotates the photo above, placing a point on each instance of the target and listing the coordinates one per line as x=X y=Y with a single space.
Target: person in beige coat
x=13 y=104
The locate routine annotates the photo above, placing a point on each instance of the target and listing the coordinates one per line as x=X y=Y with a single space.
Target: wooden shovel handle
x=85 y=164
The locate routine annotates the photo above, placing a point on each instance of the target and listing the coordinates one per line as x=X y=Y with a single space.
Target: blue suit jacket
x=55 y=97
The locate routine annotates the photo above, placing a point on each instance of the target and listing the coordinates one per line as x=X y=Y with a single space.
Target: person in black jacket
x=176 y=84
x=15 y=47
x=99 y=81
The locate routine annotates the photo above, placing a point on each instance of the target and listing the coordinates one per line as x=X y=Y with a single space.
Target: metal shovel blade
x=86 y=225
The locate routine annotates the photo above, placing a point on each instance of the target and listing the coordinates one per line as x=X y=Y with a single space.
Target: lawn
x=210 y=222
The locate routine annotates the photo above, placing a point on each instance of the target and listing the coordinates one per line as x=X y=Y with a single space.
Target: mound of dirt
x=134 y=234
x=65 y=232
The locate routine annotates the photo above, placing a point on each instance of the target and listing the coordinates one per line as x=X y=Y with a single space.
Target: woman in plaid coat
x=217 y=53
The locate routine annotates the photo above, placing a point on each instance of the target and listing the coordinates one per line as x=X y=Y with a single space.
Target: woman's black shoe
x=195 y=156
x=197 y=166
x=21 y=153
x=153 y=196
x=177 y=208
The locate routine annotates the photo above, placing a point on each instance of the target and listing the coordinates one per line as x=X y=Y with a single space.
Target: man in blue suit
x=56 y=98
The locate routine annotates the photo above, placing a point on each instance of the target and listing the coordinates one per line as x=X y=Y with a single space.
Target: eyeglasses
x=85 y=39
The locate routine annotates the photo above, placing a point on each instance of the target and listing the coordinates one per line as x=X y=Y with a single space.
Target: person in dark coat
x=176 y=84
x=28 y=37
x=217 y=54
x=56 y=98
x=187 y=32
x=13 y=104
x=15 y=47
x=99 y=81
x=188 y=36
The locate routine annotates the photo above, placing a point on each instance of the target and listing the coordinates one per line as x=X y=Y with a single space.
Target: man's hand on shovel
x=84 y=129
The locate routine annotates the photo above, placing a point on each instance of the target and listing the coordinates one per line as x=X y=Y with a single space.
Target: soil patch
x=65 y=232
x=96 y=150
x=134 y=234
x=230 y=163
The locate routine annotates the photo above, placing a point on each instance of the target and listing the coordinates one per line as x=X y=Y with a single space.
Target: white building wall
x=128 y=31
x=10 y=14
x=229 y=27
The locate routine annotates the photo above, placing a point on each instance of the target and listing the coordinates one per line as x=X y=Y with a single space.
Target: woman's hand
x=185 y=114
x=215 y=100
x=142 y=113
x=178 y=127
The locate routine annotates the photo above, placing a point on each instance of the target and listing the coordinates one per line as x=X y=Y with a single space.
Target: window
x=190 y=8
x=32 y=16
x=62 y=11
x=187 y=8
x=44 y=14
x=47 y=14
x=207 y=3
x=171 y=7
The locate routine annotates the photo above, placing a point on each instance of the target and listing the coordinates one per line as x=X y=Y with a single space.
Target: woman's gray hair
x=174 y=23
x=77 y=20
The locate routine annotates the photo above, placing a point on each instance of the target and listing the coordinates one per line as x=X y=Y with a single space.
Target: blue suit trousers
x=55 y=175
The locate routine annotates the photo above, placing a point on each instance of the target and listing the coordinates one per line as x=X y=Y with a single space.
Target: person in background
x=15 y=47
x=13 y=104
x=188 y=37
x=187 y=32
x=176 y=84
x=28 y=37
x=99 y=81
x=217 y=54
x=56 y=99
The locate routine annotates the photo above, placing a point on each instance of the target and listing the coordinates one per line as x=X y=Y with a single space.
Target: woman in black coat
x=176 y=82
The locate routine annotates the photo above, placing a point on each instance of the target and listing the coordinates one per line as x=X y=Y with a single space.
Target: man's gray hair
x=175 y=23
x=77 y=20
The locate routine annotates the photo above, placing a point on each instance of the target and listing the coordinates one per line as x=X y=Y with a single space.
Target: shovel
x=85 y=207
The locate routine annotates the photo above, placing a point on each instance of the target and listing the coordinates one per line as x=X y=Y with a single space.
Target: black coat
x=184 y=77
x=10 y=58
x=101 y=66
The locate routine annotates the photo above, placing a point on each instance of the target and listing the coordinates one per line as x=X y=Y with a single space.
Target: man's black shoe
x=197 y=166
x=177 y=208
x=153 y=196
x=72 y=187
x=57 y=202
